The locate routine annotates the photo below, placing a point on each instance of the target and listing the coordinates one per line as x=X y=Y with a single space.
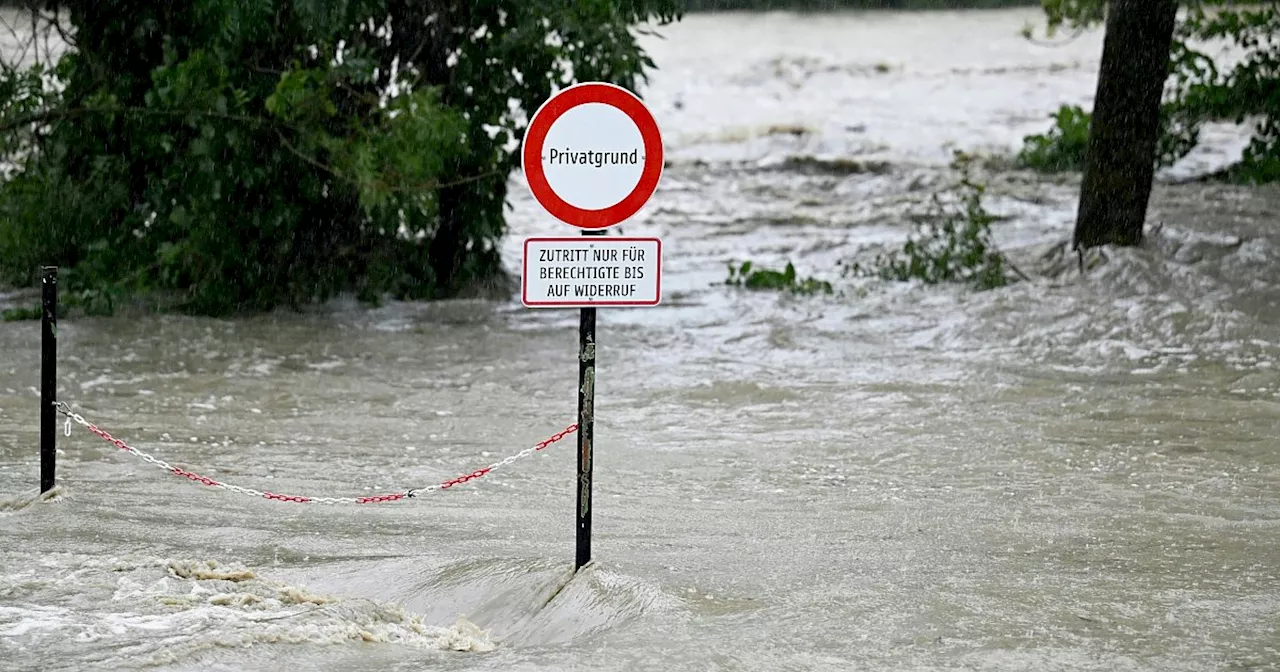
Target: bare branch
x=35 y=41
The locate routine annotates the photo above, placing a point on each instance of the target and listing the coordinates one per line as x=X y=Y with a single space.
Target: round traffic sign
x=592 y=155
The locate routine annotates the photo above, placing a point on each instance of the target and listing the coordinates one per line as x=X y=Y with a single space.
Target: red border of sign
x=540 y=124
x=524 y=273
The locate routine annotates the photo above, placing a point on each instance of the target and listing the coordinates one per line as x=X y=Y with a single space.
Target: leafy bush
x=1063 y=147
x=952 y=243
x=750 y=277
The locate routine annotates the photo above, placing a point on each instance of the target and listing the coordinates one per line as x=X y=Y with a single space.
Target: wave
x=15 y=503
x=1184 y=298
x=163 y=611
x=520 y=602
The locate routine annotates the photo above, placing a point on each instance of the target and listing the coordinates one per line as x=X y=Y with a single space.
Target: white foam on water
x=165 y=611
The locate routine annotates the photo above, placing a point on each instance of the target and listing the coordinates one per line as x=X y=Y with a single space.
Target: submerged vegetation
x=19 y=314
x=952 y=241
x=1062 y=148
x=748 y=276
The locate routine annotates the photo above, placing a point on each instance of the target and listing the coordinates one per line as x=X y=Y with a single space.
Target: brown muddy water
x=1079 y=472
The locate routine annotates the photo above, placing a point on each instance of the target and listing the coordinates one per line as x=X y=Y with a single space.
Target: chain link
x=72 y=416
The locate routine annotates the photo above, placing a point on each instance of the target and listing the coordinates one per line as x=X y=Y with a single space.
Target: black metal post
x=586 y=425
x=48 y=376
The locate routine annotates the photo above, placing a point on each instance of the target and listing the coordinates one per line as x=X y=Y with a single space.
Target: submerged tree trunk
x=1120 y=162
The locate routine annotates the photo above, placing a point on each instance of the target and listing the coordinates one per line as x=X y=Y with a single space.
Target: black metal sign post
x=586 y=425
x=576 y=181
x=48 y=376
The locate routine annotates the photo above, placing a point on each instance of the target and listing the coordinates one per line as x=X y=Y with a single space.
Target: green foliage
x=1250 y=90
x=952 y=243
x=245 y=154
x=750 y=277
x=1063 y=147
x=21 y=314
x=1074 y=14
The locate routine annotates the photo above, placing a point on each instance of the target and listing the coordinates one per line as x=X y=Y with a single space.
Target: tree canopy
x=244 y=154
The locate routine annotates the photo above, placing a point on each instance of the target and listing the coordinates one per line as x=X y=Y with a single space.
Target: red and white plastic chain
x=64 y=409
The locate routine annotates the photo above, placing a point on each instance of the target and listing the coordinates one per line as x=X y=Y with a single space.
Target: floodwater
x=1077 y=472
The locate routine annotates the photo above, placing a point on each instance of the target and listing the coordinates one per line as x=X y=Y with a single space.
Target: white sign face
x=589 y=271
x=593 y=156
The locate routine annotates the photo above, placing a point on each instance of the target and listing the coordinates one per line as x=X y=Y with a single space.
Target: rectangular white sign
x=591 y=271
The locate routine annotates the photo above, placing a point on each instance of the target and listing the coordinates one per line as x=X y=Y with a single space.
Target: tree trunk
x=1120 y=161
